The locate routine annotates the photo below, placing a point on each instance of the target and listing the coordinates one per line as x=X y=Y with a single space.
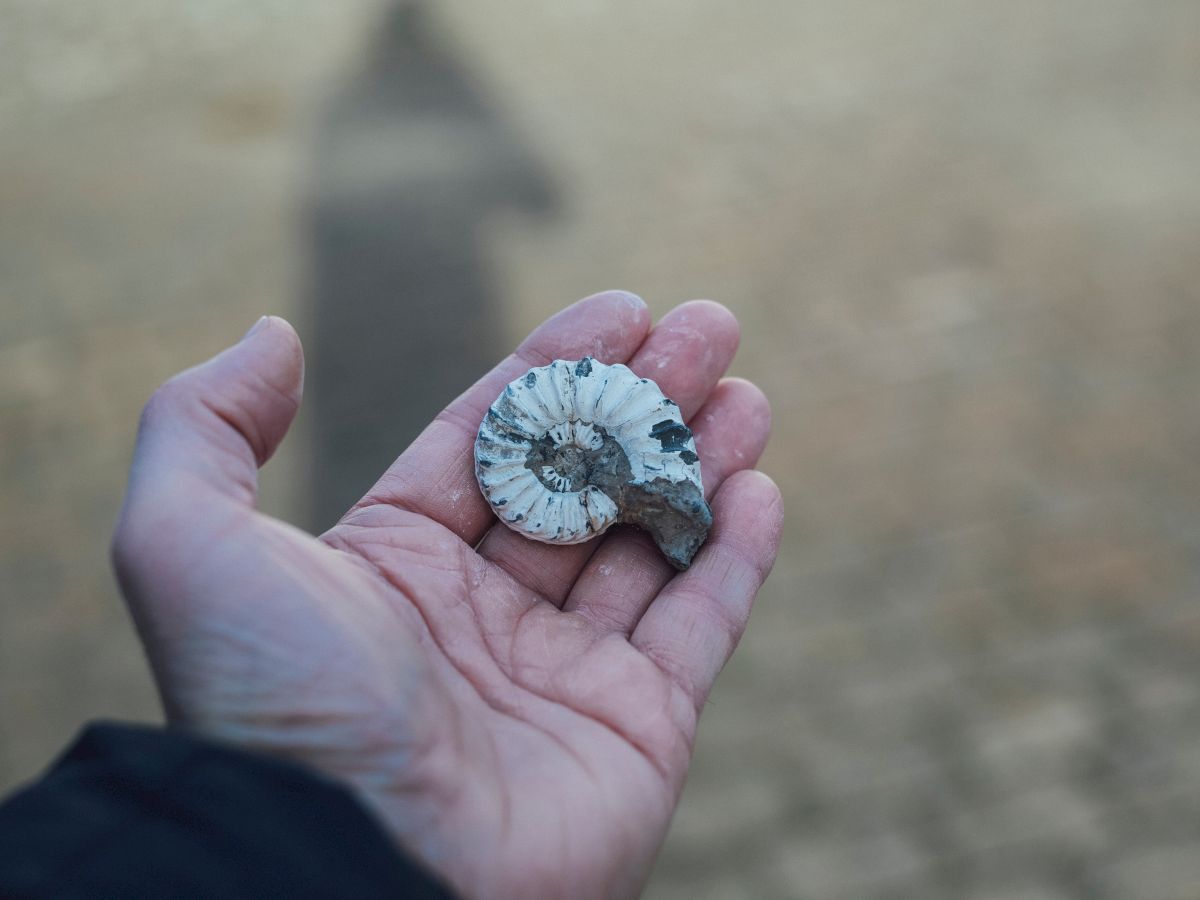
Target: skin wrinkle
x=732 y=555
x=447 y=794
x=287 y=720
x=262 y=445
x=492 y=700
x=626 y=733
x=428 y=551
x=642 y=567
x=175 y=401
x=458 y=420
x=714 y=615
x=198 y=546
x=485 y=608
x=536 y=577
x=222 y=428
x=448 y=658
x=667 y=664
x=369 y=567
x=534 y=356
x=393 y=579
x=336 y=540
x=217 y=411
x=416 y=503
x=290 y=395
x=503 y=660
x=760 y=563
x=604 y=615
x=545 y=694
x=504 y=792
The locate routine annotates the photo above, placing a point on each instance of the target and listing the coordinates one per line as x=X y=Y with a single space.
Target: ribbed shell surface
x=565 y=401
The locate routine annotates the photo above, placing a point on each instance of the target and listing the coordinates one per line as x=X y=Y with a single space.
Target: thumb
x=193 y=482
x=205 y=432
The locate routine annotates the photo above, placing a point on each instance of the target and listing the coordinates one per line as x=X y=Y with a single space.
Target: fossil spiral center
x=568 y=469
x=574 y=454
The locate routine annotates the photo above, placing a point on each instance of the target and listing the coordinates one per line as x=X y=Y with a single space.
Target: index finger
x=435 y=476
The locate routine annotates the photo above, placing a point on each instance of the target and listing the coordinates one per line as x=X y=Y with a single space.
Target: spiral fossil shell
x=570 y=448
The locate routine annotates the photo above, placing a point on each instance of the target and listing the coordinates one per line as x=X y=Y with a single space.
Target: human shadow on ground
x=411 y=158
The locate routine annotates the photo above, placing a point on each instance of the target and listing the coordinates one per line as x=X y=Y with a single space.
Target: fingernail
x=255 y=328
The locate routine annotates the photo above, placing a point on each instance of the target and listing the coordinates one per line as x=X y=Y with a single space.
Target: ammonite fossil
x=570 y=448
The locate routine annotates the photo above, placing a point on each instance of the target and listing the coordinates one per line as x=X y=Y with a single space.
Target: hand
x=519 y=716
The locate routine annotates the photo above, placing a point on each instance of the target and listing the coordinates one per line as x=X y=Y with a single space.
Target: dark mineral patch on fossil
x=672 y=435
x=674 y=513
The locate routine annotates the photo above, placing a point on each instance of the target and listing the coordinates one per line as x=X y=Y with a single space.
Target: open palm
x=519 y=716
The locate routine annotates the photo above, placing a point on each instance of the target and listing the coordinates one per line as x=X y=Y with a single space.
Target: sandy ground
x=961 y=237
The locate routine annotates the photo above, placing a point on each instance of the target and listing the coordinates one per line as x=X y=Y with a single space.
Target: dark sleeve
x=133 y=812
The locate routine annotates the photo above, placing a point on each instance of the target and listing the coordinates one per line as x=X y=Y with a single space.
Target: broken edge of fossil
x=674 y=513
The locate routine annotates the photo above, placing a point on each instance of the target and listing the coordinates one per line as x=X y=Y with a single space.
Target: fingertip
x=608 y=326
x=688 y=351
x=713 y=308
x=616 y=295
x=700 y=336
x=750 y=505
x=279 y=354
x=749 y=398
x=280 y=325
x=276 y=330
x=625 y=307
x=753 y=486
x=731 y=430
x=714 y=318
x=254 y=386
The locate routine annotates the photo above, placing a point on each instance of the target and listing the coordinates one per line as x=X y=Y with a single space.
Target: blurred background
x=963 y=239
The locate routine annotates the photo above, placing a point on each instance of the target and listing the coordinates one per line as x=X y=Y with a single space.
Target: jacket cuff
x=134 y=811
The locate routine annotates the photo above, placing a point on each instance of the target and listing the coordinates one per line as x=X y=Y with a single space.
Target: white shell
x=566 y=401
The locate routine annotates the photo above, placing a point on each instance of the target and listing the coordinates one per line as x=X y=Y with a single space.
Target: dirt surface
x=961 y=238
